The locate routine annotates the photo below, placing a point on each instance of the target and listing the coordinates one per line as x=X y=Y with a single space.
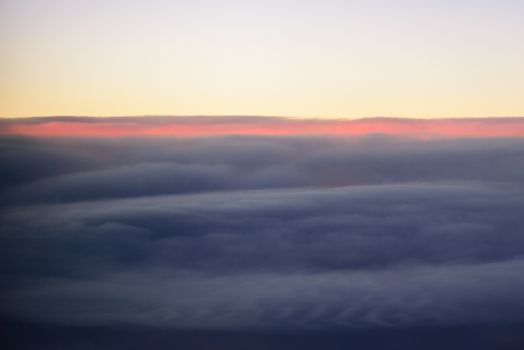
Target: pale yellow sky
x=327 y=58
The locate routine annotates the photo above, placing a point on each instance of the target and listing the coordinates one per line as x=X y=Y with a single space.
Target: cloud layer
x=217 y=126
x=365 y=256
x=264 y=234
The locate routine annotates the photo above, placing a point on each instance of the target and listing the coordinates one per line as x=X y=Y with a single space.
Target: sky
x=330 y=58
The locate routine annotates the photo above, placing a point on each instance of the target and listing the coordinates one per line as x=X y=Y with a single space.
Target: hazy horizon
x=257 y=116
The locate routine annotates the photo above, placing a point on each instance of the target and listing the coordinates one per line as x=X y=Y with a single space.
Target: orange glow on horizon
x=278 y=127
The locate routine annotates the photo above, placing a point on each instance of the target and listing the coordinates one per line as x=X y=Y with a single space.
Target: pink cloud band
x=220 y=126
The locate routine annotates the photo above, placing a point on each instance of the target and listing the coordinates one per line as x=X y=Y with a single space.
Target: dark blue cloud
x=327 y=238
x=64 y=170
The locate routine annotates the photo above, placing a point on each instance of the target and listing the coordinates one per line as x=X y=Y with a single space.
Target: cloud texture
x=217 y=126
x=307 y=234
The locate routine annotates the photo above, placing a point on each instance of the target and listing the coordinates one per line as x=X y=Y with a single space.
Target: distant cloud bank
x=219 y=126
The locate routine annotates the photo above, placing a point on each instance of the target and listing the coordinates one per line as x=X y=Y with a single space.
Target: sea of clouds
x=263 y=233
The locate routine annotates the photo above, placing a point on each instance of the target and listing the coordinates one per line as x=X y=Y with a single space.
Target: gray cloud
x=268 y=234
x=412 y=296
x=354 y=255
x=71 y=170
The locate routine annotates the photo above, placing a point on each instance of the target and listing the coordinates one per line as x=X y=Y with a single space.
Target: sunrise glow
x=327 y=59
x=220 y=126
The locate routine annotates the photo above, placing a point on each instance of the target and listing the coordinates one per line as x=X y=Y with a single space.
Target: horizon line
x=254 y=116
x=207 y=126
